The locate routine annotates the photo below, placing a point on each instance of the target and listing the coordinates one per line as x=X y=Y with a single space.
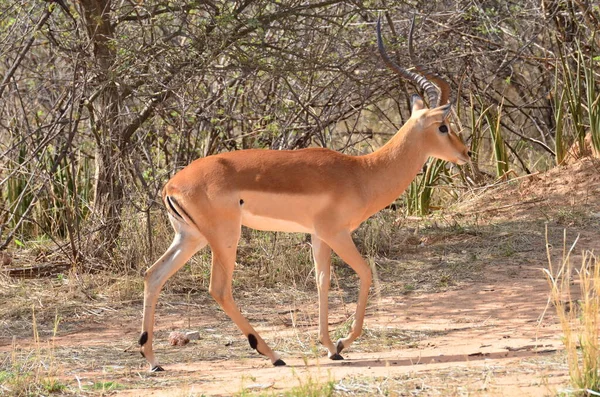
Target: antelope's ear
x=416 y=103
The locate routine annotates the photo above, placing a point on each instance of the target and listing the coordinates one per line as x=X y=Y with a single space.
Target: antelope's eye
x=443 y=128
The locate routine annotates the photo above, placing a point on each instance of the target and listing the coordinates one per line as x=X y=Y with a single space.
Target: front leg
x=343 y=245
x=322 y=258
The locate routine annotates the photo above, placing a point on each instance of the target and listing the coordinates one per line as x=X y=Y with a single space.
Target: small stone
x=177 y=338
x=193 y=335
x=5 y=259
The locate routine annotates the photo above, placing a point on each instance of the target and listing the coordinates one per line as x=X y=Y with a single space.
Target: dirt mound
x=572 y=187
x=573 y=184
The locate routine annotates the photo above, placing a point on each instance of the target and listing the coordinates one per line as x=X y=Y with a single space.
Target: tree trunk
x=106 y=127
x=108 y=197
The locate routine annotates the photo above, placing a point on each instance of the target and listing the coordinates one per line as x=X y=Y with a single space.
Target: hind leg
x=184 y=246
x=223 y=262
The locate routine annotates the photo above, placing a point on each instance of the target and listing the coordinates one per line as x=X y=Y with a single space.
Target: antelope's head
x=432 y=123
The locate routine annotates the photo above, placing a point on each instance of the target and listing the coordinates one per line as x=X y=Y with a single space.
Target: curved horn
x=431 y=75
x=421 y=81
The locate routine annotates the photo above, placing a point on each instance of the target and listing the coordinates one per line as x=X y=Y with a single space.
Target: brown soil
x=460 y=308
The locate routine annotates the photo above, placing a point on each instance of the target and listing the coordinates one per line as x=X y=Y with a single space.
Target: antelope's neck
x=393 y=167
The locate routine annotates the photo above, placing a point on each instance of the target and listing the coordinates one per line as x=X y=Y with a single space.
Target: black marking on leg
x=143 y=338
x=339 y=346
x=279 y=363
x=336 y=357
x=157 y=368
x=241 y=202
x=253 y=341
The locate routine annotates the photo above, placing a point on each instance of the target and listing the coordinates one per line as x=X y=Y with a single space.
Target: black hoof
x=157 y=368
x=339 y=346
x=336 y=357
x=279 y=363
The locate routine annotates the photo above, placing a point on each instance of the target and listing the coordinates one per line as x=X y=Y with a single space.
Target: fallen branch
x=42 y=270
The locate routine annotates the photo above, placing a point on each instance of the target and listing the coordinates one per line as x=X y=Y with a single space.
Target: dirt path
x=488 y=338
x=491 y=335
x=483 y=339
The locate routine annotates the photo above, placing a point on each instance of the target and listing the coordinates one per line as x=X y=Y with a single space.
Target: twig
x=24 y=51
x=503 y=207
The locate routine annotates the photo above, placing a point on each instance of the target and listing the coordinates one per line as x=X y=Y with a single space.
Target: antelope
x=316 y=190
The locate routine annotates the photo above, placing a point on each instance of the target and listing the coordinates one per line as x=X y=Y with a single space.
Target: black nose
x=469 y=153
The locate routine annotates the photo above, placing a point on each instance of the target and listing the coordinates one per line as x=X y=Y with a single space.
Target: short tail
x=176 y=210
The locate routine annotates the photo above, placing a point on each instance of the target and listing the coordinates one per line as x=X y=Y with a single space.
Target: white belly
x=281 y=212
x=270 y=224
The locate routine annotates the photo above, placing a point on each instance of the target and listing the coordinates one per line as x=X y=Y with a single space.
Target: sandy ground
x=476 y=331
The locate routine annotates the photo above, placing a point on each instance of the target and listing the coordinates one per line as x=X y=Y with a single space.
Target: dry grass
x=575 y=293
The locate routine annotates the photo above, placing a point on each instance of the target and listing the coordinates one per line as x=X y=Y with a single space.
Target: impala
x=316 y=190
